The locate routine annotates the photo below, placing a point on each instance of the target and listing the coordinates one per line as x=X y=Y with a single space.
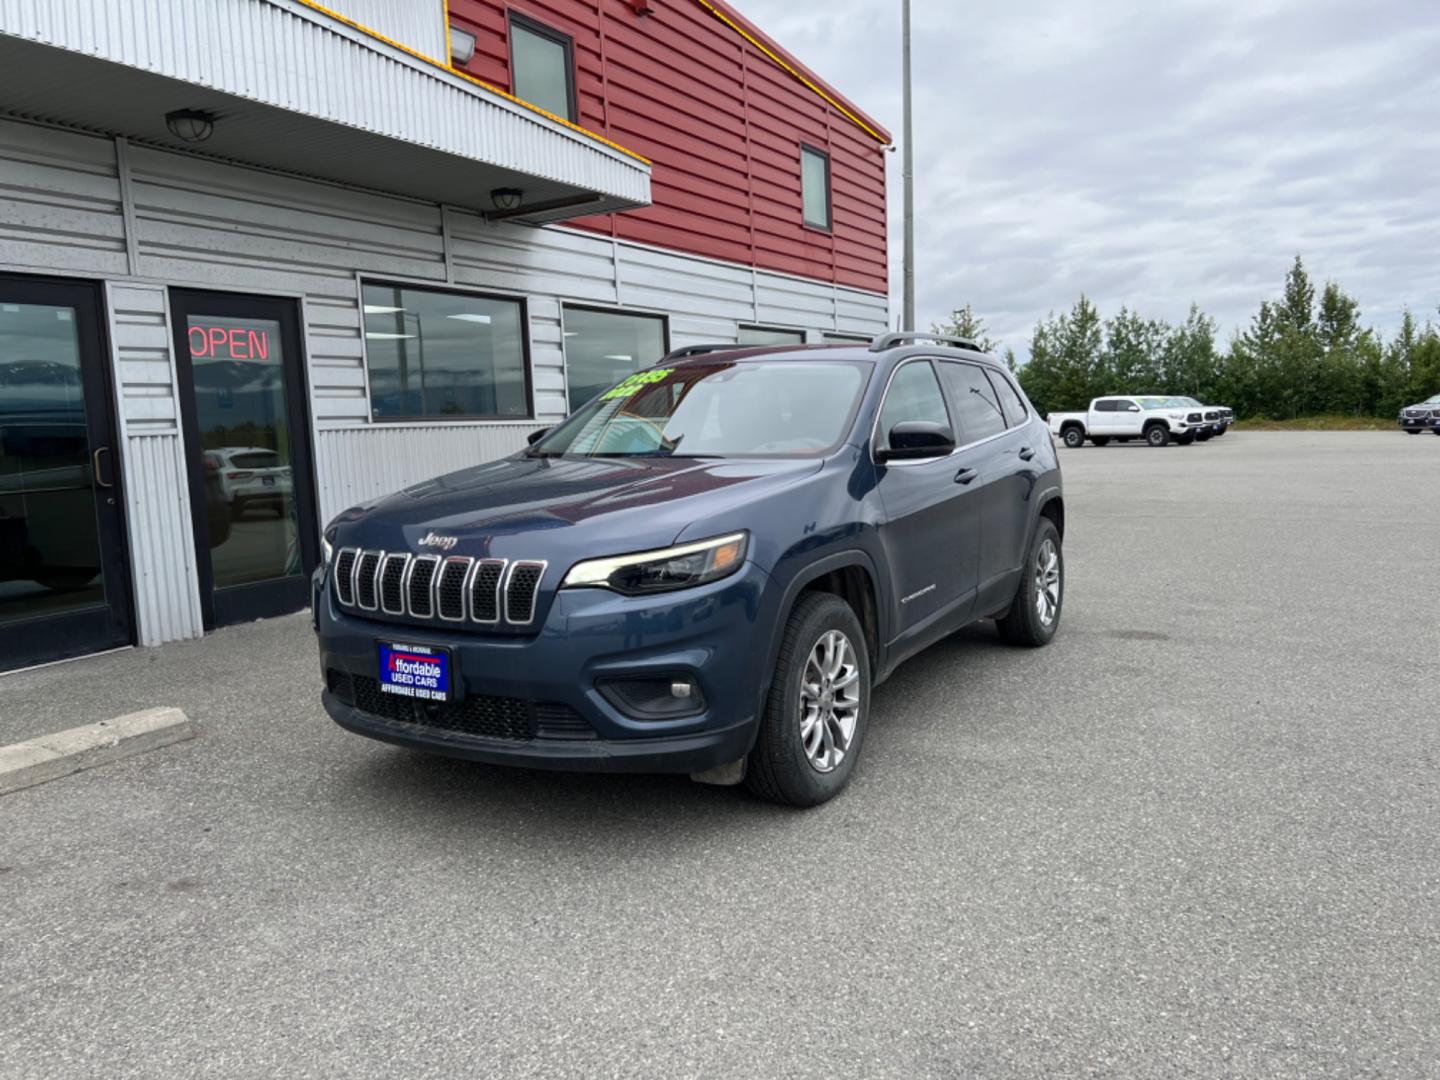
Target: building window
x=602 y=347
x=815 y=187
x=770 y=335
x=444 y=354
x=847 y=339
x=542 y=70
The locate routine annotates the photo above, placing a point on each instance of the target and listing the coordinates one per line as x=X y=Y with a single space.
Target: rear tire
x=1101 y=440
x=1073 y=437
x=794 y=760
x=1034 y=614
x=1416 y=431
x=1157 y=435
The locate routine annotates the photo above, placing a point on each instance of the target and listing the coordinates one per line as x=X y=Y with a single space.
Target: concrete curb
x=50 y=757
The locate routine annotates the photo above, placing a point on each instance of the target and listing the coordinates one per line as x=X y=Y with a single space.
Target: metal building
x=261 y=260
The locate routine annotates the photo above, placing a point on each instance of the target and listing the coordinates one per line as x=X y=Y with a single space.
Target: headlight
x=327 y=546
x=661 y=571
x=1177 y=416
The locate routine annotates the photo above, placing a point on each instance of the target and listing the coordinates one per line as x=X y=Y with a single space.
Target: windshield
x=1153 y=402
x=774 y=408
x=1432 y=401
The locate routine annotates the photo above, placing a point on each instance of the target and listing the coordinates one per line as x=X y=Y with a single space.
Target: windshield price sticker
x=415 y=671
x=636 y=382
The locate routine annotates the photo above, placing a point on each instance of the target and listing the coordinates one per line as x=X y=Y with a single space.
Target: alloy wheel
x=829 y=701
x=1047 y=582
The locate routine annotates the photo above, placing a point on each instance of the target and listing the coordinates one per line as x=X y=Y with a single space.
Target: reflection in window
x=602 y=347
x=444 y=354
x=770 y=335
x=979 y=414
x=49 y=537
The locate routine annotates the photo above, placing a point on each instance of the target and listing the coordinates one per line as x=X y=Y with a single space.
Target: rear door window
x=1010 y=401
x=975 y=402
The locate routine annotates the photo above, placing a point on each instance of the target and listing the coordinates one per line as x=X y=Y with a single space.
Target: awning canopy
x=294 y=90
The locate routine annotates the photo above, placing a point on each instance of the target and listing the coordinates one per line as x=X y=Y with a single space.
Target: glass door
x=64 y=589
x=243 y=405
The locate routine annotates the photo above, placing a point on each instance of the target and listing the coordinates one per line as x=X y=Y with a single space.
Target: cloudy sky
x=1150 y=152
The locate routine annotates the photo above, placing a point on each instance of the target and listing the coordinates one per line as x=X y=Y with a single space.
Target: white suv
x=250 y=476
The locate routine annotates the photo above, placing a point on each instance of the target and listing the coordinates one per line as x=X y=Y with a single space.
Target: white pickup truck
x=1157 y=420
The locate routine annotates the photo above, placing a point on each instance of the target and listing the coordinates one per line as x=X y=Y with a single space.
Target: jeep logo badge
x=438 y=542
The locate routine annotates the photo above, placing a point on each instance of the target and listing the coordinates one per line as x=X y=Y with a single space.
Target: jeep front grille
x=455 y=589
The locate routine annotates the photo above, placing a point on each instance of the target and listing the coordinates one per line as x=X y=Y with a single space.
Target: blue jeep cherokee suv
x=705 y=569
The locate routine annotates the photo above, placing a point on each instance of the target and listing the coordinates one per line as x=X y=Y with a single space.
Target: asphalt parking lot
x=1198 y=835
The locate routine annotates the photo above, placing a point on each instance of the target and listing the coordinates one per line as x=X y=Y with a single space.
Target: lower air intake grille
x=479 y=715
x=520 y=593
x=554 y=721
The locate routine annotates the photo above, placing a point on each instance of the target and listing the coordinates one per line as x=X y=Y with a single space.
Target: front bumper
x=712 y=634
x=691 y=753
x=1418 y=423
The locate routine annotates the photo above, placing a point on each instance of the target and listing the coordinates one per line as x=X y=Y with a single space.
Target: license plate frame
x=416 y=672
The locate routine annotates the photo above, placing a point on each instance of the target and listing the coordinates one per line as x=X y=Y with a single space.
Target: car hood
x=556 y=508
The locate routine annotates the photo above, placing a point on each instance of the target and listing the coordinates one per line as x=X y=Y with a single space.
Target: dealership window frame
x=608 y=309
x=519 y=299
x=840 y=337
x=828 y=225
x=566 y=42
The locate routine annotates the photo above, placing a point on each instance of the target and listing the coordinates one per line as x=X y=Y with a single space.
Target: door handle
x=1026 y=453
x=964 y=476
x=100 y=480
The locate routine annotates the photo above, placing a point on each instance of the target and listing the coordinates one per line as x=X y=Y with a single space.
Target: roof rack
x=890 y=341
x=700 y=350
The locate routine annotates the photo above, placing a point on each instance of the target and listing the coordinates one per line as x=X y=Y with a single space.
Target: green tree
x=964 y=323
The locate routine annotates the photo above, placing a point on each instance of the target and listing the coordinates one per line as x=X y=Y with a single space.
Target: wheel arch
x=850 y=575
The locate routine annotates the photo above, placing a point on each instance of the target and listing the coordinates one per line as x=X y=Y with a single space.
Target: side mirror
x=914 y=439
x=536 y=436
x=1132 y=407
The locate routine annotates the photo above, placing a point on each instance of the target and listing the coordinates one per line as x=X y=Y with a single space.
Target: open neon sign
x=229 y=343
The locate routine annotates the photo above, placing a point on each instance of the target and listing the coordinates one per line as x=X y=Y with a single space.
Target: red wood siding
x=722 y=123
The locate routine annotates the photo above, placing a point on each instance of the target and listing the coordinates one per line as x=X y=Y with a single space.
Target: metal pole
x=908 y=172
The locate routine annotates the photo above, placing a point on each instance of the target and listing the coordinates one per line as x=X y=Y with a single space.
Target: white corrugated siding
x=157 y=493
x=304 y=62
x=419 y=24
x=359 y=464
x=162 y=546
x=208 y=224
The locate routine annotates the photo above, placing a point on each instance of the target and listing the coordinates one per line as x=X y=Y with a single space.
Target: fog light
x=662 y=696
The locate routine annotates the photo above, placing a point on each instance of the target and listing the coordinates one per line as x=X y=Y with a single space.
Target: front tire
x=1184 y=440
x=1034 y=614
x=1157 y=435
x=1416 y=431
x=819 y=703
x=1073 y=437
